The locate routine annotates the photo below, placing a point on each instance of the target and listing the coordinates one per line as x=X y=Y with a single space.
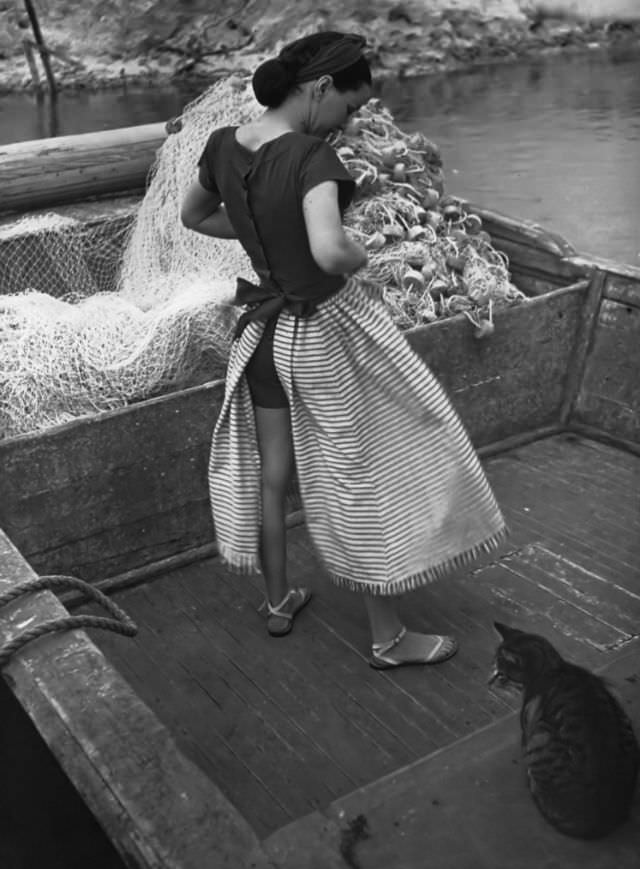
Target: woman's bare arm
x=331 y=248
x=203 y=211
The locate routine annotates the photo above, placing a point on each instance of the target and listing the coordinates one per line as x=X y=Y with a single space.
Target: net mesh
x=96 y=315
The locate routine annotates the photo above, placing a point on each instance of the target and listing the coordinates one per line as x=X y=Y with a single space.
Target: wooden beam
x=524 y=232
x=50 y=171
x=594 y=433
x=158 y=808
x=609 y=395
x=156 y=569
x=614 y=269
x=584 y=338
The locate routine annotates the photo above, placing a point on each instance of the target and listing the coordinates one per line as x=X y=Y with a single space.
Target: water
x=556 y=140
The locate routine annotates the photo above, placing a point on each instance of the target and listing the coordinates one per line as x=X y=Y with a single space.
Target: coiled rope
x=121 y=623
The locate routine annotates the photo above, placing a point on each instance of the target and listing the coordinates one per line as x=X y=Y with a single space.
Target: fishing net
x=95 y=316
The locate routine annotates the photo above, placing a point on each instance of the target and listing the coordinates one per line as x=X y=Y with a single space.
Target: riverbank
x=109 y=43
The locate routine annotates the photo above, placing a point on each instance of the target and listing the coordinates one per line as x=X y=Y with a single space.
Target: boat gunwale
x=148 y=816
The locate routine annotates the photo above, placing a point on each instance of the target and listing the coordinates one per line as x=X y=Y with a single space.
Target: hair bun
x=271 y=82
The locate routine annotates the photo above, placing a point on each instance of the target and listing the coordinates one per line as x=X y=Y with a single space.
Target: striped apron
x=393 y=493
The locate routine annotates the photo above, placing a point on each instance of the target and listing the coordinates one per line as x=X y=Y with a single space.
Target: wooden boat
x=202 y=742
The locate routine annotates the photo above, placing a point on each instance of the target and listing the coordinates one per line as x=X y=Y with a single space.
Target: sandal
x=445 y=648
x=279 y=623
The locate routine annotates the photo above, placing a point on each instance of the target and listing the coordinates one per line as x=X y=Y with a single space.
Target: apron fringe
x=422 y=577
x=238 y=562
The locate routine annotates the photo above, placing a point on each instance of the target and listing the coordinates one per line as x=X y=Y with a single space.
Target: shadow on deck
x=301 y=726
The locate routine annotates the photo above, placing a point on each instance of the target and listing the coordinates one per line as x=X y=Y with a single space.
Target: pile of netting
x=96 y=317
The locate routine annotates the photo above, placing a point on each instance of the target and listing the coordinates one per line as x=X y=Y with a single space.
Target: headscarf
x=329 y=59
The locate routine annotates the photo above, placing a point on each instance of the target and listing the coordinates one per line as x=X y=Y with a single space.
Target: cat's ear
x=505 y=631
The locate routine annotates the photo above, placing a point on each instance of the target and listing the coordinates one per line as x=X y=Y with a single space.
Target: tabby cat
x=579 y=747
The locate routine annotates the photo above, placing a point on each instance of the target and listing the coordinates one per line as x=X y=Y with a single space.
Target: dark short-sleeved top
x=263 y=191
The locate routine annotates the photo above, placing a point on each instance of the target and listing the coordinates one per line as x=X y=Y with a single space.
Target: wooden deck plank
x=617 y=488
x=530 y=607
x=176 y=698
x=617 y=508
x=304 y=719
x=568 y=507
x=232 y=738
x=289 y=686
x=602 y=599
x=345 y=679
x=564 y=529
x=574 y=547
x=249 y=719
x=446 y=693
x=605 y=457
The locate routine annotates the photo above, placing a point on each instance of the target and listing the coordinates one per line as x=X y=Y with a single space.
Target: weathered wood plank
x=513 y=381
x=114 y=495
x=120 y=549
x=176 y=697
x=584 y=339
x=540 y=264
x=620 y=274
x=68 y=452
x=569 y=546
x=75 y=167
x=625 y=290
x=105 y=491
x=241 y=748
x=561 y=527
x=551 y=497
x=529 y=284
x=527 y=232
x=617 y=484
x=446 y=694
x=609 y=398
x=598 y=434
x=157 y=807
x=298 y=696
x=603 y=599
x=536 y=609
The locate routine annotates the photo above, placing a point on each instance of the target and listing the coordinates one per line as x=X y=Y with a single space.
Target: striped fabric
x=393 y=492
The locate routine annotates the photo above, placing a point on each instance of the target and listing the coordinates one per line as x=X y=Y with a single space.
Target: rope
x=121 y=623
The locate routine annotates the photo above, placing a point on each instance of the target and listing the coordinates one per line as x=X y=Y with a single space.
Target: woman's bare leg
x=276 y=456
x=385 y=624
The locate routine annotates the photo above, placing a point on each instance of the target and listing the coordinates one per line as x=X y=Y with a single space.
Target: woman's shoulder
x=219 y=135
x=307 y=143
x=306 y=149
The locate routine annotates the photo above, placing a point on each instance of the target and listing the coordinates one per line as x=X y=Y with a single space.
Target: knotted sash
x=267 y=300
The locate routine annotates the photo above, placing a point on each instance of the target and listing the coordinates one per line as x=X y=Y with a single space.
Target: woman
x=392 y=490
